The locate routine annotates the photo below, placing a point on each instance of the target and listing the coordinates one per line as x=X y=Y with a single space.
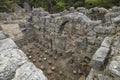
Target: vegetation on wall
x=59 y=5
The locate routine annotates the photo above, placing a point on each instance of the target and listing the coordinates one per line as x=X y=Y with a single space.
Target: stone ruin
x=89 y=37
x=14 y=65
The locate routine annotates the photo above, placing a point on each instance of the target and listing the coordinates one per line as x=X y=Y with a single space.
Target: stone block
x=7 y=44
x=99 y=58
x=13 y=30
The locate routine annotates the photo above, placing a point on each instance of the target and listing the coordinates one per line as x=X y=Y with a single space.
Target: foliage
x=59 y=5
x=102 y=3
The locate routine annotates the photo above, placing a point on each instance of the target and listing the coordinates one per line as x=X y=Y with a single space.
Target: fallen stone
x=74 y=72
x=99 y=58
x=42 y=67
x=53 y=68
x=29 y=57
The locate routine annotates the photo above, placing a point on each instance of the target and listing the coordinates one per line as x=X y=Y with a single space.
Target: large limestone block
x=10 y=60
x=7 y=44
x=12 y=30
x=99 y=58
x=2 y=36
x=29 y=72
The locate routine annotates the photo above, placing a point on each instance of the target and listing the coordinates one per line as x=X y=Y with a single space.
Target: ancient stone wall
x=80 y=32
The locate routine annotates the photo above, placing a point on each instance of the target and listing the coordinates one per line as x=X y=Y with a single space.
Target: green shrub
x=78 y=3
x=60 y=6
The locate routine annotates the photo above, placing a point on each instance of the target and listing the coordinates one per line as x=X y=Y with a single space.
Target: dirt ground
x=54 y=65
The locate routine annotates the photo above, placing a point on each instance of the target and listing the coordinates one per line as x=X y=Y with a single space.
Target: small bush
x=60 y=6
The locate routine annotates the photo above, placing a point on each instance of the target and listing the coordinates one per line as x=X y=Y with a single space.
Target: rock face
x=14 y=65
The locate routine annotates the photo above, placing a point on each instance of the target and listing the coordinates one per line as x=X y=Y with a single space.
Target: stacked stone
x=97 y=13
x=14 y=64
x=110 y=70
x=114 y=66
x=73 y=31
x=66 y=32
x=81 y=10
x=109 y=61
x=5 y=16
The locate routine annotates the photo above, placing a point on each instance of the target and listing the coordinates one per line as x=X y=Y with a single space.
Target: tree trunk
x=49 y=3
